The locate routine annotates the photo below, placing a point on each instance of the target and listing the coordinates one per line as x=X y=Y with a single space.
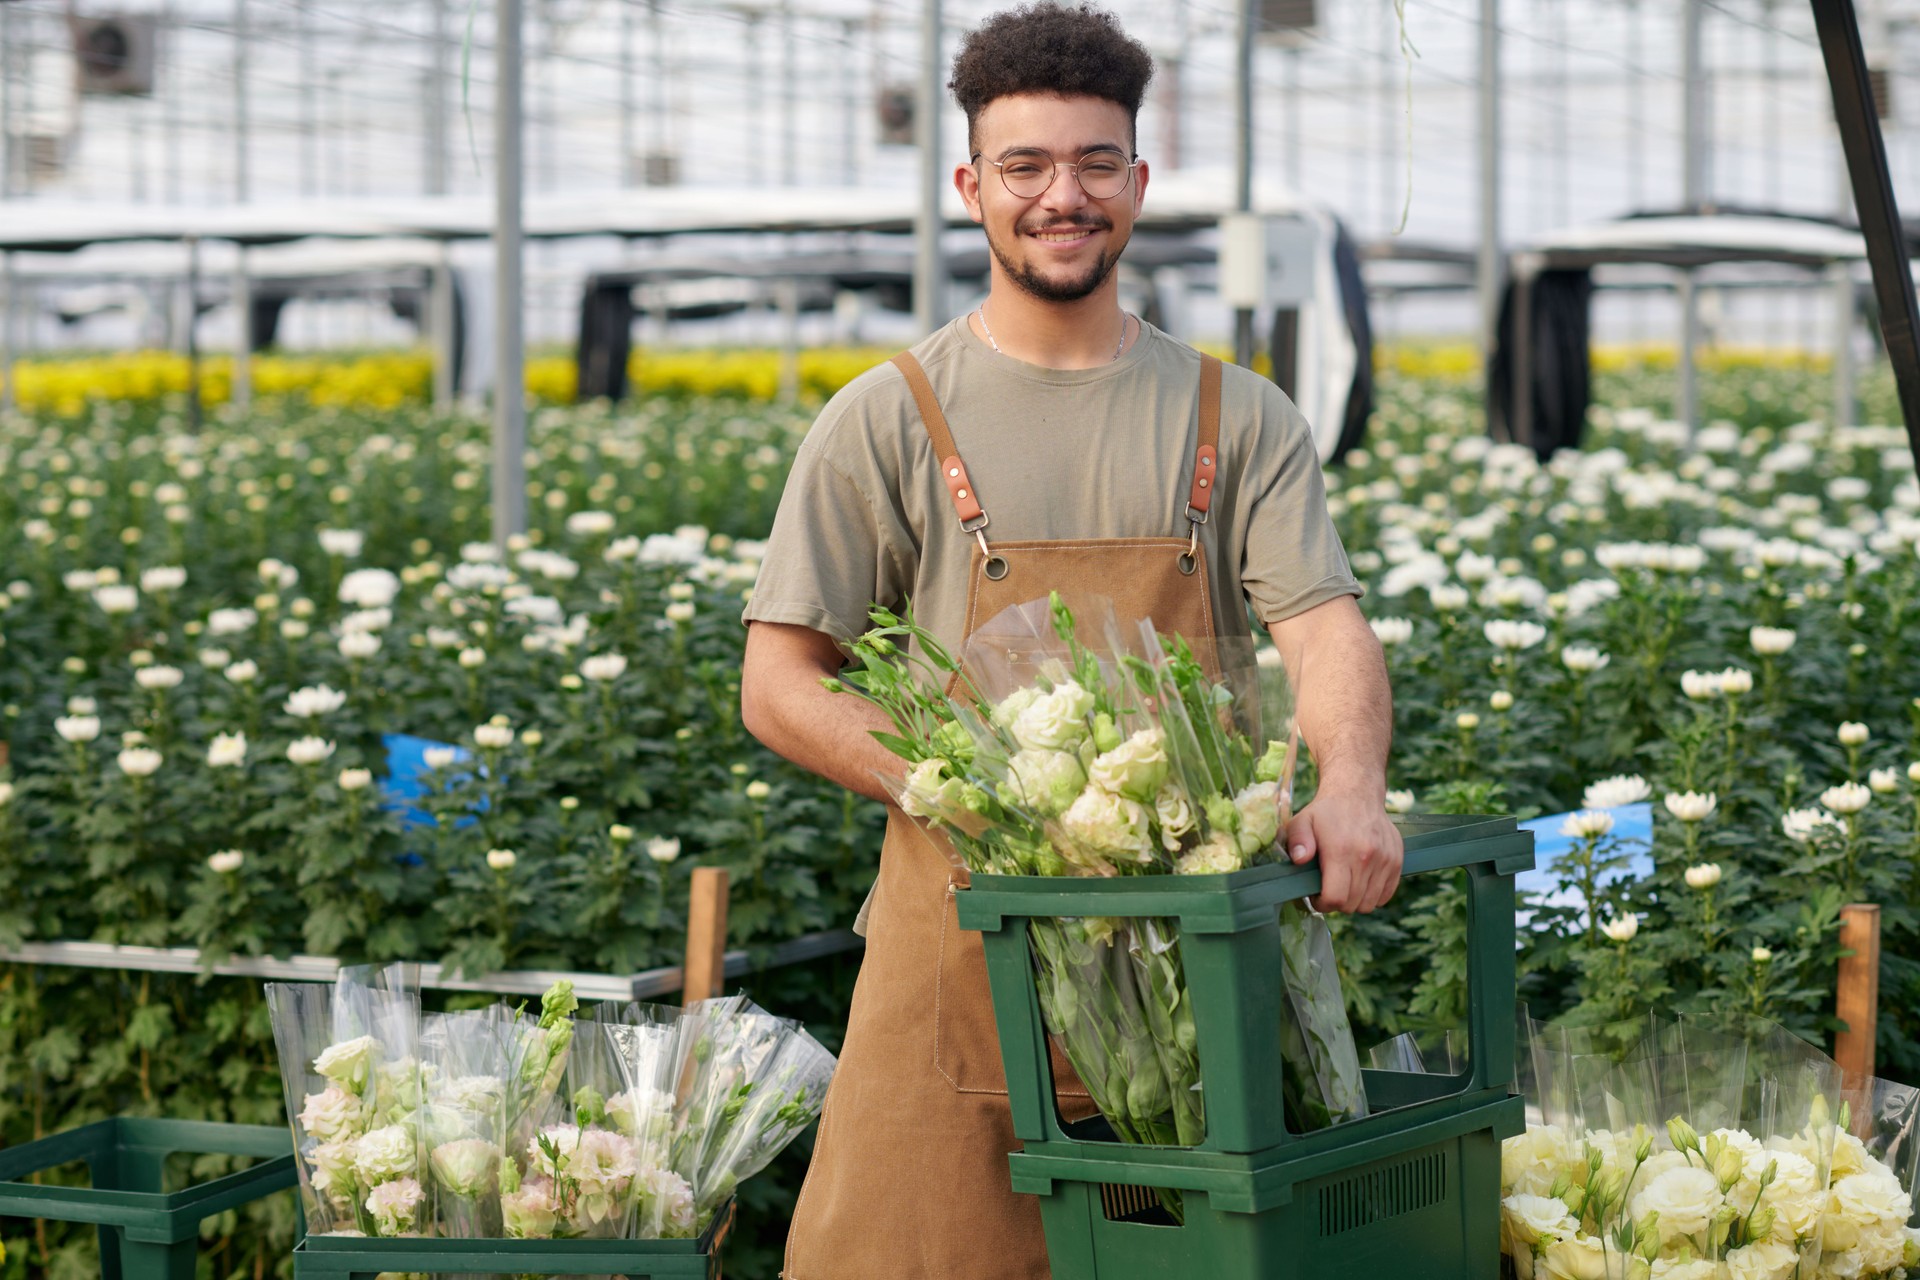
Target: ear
x=1139 y=188
x=966 y=180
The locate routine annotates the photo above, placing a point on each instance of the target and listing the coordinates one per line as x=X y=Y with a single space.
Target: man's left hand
x=1359 y=848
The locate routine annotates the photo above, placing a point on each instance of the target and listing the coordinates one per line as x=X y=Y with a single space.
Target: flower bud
x=226 y=862
x=1682 y=1135
x=501 y=859
x=1762 y=955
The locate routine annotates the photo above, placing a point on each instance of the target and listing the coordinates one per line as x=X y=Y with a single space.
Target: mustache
x=1076 y=224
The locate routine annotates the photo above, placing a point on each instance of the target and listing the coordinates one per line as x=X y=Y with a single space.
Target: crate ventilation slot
x=1123 y=1203
x=1380 y=1194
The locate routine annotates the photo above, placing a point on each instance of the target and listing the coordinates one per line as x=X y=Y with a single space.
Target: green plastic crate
x=1230 y=948
x=362 y=1258
x=146 y=1233
x=1423 y=1201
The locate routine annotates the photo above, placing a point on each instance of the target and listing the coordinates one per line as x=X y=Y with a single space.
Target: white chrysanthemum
x=1703 y=876
x=1883 y=782
x=1771 y=640
x=139 y=762
x=1691 y=806
x=345 y=543
x=158 y=676
x=357 y=646
x=1583 y=659
x=245 y=671
x=1847 y=798
x=162 y=578
x=494 y=737
x=117 y=599
x=1392 y=631
x=1612 y=793
x=231 y=622
x=604 y=666
x=309 y=750
x=77 y=729
x=369 y=588
x=1513 y=635
x=226 y=862
x=1587 y=823
x=1852 y=733
x=1806 y=824
x=317 y=700
x=663 y=849
x=1622 y=928
x=1700 y=686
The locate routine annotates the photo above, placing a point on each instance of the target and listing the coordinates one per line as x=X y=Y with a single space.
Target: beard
x=1050 y=289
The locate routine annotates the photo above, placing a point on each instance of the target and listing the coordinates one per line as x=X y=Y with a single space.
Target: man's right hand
x=783 y=704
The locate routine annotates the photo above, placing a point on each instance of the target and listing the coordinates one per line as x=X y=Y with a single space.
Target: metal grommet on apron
x=917 y=1114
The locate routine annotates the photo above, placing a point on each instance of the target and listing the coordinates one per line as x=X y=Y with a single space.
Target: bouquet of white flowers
x=353 y=1085
x=1753 y=1175
x=1135 y=758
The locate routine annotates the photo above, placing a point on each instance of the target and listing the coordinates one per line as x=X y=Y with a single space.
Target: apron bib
x=909 y=1175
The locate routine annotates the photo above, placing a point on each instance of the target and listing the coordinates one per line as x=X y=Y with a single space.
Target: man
x=1095 y=441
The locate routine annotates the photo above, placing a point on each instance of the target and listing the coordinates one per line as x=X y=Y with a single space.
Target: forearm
x=1344 y=703
x=784 y=705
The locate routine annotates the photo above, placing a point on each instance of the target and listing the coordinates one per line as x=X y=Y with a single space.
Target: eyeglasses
x=1028 y=172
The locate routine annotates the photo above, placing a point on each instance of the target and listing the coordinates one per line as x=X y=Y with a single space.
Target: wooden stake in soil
x=1858 y=998
x=706 y=964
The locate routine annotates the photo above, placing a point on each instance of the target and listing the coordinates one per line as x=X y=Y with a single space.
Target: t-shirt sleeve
x=840 y=541
x=1294 y=558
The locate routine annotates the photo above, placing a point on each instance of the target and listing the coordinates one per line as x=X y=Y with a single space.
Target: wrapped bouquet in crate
x=509 y=1140
x=1117 y=798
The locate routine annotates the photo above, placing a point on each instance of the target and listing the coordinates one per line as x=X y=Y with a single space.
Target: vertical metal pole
x=1173 y=90
x=789 y=98
x=1770 y=104
x=1693 y=195
x=309 y=105
x=438 y=168
x=756 y=98
x=1487 y=268
x=170 y=81
x=1636 y=129
x=627 y=147
x=8 y=340
x=6 y=112
x=929 y=307
x=1841 y=274
x=192 y=331
x=242 y=176
x=440 y=323
x=850 y=120
x=509 y=400
x=1295 y=166
x=787 y=294
x=1243 y=158
x=243 y=341
x=662 y=137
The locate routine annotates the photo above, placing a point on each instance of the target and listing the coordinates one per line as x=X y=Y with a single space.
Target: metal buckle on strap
x=1190 y=558
x=1195 y=516
x=975 y=524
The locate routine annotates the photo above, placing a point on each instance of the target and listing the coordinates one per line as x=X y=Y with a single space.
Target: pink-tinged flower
x=531 y=1213
x=395 y=1206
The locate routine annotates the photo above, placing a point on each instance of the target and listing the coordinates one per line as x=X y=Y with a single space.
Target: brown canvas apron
x=909 y=1176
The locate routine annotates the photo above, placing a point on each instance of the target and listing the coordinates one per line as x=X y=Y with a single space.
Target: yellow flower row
x=384 y=380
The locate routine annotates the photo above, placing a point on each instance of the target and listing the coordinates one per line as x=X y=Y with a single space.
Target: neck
x=1054 y=335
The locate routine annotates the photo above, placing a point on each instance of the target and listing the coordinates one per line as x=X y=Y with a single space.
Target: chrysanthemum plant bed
x=1230 y=946
x=363 y=1258
x=146 y=1231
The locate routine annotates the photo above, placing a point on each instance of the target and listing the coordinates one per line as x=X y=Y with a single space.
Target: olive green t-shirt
x=1054 y=454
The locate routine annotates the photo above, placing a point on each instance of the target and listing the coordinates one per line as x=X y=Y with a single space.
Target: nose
x=1065 y=191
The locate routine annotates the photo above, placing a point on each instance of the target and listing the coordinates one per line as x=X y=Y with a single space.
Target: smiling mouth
x=1062 y=236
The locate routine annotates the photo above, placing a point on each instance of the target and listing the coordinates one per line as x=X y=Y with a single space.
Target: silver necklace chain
x=988 y=330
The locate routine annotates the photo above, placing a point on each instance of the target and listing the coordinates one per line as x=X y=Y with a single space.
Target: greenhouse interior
x=522 y=752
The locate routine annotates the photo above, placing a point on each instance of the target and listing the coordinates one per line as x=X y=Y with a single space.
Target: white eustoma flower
x=227 y=750
x=1583 y=659
x=381 y=1155
x=466 y=1167
x=1538 y=1220
x=1691 y=806
x=1259 y=808
x=139 y=762
x=1622 y=928
x=345 y=543
x=244 y=671
x=1056 y=720
x=315 y=700
x=1392 y=631
x=1108 y=828
x=162 y=578
x=1587 y=824
x=1136 y=768
x=1513 y=635
x=1686 y=1199
x=1852 y=733
x=1703 y=876
x=309 y=750
x=1771 y=640
x=369 y=588
x=1805 y=824
x=663 y=849
x=77 y=728
x=1218 y=855
x=158 y=677
x=117 y=599
x=1612 y=793
x=1847 y=798
x=226 y=861
x=604 y=666
x=358 y=645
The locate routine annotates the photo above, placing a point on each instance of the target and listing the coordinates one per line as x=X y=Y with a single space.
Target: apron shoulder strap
x=1206 y=457
x=966 y=503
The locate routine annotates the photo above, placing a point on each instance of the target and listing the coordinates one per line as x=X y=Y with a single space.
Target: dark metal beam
x=1866 y=155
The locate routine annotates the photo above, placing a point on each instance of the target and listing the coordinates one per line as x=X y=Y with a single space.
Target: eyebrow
x=1086 y=150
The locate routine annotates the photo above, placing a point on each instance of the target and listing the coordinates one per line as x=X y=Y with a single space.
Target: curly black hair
x=1046 y=47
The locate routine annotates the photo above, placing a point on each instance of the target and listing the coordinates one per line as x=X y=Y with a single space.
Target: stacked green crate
x=1415 y=1186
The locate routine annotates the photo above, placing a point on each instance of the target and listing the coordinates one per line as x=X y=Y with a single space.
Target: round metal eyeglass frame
x=1034 y=172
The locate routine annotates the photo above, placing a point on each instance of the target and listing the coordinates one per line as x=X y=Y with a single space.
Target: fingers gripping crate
x=364 y=1258
x=146 y=1231
x=1417 y=1178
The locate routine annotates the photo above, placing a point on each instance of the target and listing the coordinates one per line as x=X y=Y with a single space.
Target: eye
x=1020 y=169
x=1101 y=166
